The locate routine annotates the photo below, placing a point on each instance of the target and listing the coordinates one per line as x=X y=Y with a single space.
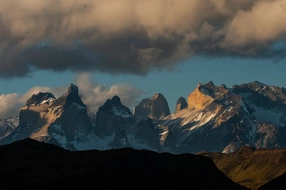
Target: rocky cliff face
x=116 y=124
x=41 y=98
x=155 y=107
x=112 y=120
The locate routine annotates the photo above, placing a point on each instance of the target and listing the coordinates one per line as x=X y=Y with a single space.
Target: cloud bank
x=134 y=36
x=93 y=95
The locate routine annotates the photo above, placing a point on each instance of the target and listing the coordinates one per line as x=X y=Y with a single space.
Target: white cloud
x=262 y=24
x=9 y=105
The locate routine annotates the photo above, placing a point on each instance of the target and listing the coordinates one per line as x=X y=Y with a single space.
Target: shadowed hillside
x=34 y=164
x=251 y=167
x=277 y=183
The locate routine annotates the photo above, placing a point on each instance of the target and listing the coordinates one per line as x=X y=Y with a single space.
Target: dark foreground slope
x=277 y=183
x=29 y=163
x=251 y=167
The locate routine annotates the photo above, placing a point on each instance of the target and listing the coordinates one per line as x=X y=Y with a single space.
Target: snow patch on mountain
x=79 y=106
x=273 y=116
x=242 y=104
x=120 y=112
x=48 y=101
x=191 y=120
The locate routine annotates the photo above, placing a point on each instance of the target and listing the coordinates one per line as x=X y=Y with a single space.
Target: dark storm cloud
x=133 y=36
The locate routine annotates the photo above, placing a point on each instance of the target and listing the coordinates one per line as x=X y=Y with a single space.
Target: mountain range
x=212 y=119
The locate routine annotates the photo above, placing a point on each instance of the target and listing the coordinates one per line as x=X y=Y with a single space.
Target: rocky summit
x=41 y=98
x=155 y=107
x=181 y=104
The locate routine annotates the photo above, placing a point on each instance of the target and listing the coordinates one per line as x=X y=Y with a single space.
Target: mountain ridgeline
x=212 y=118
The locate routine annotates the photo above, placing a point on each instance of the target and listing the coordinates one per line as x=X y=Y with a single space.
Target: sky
x=135 y=48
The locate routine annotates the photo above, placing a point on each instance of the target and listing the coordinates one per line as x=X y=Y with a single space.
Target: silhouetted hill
x=28 y=163
x=251 y=167
x=29 y=144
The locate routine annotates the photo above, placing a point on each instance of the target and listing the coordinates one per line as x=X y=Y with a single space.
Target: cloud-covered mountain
x=215 y=119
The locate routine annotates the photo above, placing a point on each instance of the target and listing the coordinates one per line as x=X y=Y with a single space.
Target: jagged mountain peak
x=210 y=89
x=73 y=89
x=41 y=98
x=254 y=85
x=210 y=83
x=155 y=107
x=181 y=104
x=109 y=103
x=71 y=96
x=205 y=94
x=115 y=107
x=274 y=93
x=116 y=100
x=157 y=96
x=257 y=82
